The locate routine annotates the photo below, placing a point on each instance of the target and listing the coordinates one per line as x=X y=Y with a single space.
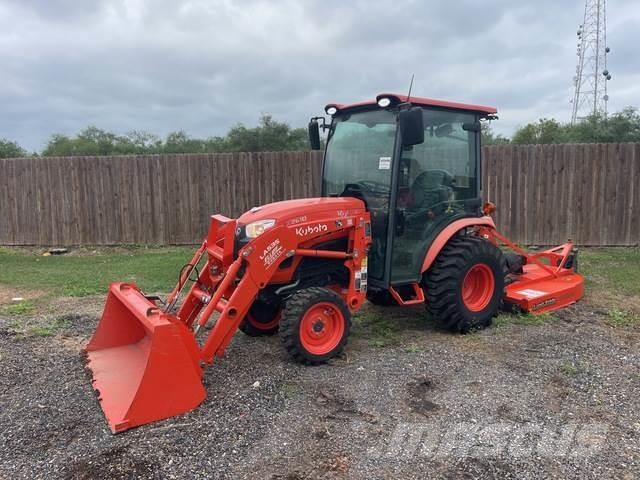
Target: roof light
x=331 y=110
x=384 y=102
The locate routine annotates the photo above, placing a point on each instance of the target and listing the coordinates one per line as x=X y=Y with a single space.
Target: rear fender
x=449 y=231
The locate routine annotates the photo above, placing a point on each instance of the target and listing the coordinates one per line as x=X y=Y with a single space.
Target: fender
x=445 y=235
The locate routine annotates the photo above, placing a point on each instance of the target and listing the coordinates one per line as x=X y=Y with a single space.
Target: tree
x=269 y=135
x=180 y=142
x=544 y=130
x=491 y=138
x=9 y=149
x=623 y=126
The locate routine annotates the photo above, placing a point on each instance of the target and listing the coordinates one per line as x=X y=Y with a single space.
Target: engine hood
x=292 y=210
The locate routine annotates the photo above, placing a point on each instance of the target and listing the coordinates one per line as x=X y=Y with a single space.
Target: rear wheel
x=262 y=320
x=465 y=285
x=315 y=325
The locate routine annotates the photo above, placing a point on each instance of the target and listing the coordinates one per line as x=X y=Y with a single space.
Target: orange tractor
x=400 y=221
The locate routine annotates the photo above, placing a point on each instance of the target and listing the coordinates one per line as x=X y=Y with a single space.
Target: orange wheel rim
x=321 y=328
x=264 y=325
x=477 y=287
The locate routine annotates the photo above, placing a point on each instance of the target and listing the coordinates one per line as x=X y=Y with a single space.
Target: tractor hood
x=292 y=212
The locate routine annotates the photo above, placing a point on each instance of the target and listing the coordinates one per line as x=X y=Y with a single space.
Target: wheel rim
x=477 y=287
x=321 y=328
x=264 y=325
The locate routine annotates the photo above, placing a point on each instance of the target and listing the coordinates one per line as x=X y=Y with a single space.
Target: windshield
x=358 y=163
x=359 y=151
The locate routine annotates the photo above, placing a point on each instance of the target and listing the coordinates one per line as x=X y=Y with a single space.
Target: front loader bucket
x=145 y=363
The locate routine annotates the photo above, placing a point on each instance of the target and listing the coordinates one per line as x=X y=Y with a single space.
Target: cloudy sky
x=205 y=65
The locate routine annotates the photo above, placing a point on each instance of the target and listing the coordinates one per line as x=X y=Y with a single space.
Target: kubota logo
x=311 y=229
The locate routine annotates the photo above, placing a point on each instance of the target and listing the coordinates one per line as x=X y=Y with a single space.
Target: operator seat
x=430 y=188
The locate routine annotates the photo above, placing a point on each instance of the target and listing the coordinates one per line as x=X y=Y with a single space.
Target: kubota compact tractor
x=400 y=221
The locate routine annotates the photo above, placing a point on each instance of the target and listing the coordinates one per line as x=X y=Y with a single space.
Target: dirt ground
x=555 y=399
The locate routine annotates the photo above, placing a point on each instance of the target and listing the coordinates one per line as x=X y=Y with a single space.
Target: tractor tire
x=465 y=285
x=262 y=320
x=381 y=298
x=315 y=325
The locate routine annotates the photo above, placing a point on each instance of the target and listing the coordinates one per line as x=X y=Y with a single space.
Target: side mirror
x=314 y=135
x=411 y=126
x=472 y=127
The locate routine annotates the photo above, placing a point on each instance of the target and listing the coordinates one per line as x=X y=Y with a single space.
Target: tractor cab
x=416 y=165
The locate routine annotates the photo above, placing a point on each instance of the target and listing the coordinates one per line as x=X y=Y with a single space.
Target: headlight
x=331 y=110
x=255 y=229
x=384 y=102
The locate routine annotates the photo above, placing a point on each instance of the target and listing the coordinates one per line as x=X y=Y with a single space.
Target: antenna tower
x=590 y=82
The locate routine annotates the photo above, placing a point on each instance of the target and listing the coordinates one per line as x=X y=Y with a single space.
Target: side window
x=447 y=158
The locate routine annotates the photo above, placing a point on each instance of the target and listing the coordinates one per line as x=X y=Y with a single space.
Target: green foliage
x=569 y=369
x=9 y=149
x=622 y=126
x=22 y=308
x=505 y=319
x=491 y=138
x=43 y=326
x=543 y=131
x=623 y=318
x=269 y=135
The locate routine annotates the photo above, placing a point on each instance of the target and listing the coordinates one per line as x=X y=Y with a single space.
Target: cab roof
x=397 y=98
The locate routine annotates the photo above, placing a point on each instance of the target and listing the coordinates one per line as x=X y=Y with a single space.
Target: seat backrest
x=431 y=187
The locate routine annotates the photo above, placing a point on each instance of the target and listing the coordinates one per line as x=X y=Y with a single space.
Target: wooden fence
x=545 y=194
x=548 y=193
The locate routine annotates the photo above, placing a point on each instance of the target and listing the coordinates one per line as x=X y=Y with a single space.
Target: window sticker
x=385 y=163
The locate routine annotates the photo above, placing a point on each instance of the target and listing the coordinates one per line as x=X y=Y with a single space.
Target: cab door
x=437 y=180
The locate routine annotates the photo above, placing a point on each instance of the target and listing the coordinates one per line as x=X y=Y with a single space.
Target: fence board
x=545 y=194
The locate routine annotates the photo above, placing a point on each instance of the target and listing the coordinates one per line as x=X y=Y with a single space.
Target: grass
x=153 y=269
x=612 y=279
x=505 y=319
x=569 y=369
x=42 y=327
x=23 y=308
x=386 y=326
x=622 y=318
x=613 y=270
x=290 y=390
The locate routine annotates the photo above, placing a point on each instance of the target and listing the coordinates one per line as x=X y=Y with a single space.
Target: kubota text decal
x=311 y=229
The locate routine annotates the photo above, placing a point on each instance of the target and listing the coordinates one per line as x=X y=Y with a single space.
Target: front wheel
x=261 y=320
x=465 y=285
x=315 y=325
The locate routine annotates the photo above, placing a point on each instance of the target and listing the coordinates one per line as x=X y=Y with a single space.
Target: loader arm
x=147 y=363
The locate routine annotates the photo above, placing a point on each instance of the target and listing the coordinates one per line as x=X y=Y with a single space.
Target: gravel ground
x=557 y=400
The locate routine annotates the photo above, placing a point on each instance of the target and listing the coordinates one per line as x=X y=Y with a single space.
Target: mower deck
x=536 y=291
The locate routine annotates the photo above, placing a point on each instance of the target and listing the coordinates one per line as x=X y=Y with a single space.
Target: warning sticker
x=384 y=163
x=529 y=293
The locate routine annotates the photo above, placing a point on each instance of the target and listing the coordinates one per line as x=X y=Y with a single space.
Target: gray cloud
x=204 y=65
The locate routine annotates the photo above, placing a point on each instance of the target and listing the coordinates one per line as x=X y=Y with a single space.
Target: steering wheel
x=374 y=187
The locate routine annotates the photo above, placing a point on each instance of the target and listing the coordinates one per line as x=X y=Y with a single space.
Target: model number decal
x=297 y=220
x=271 y=253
